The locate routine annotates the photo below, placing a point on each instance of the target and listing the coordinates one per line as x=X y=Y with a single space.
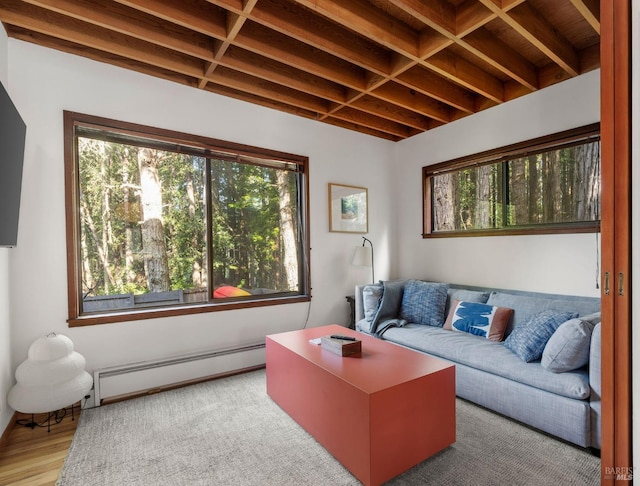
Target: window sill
x=158 y=313
x=541 y=230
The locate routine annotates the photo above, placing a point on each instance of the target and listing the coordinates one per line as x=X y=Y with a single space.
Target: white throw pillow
x=569 y=346
x=371 y=297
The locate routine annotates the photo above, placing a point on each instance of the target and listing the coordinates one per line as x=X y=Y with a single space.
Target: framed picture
x=348 y=209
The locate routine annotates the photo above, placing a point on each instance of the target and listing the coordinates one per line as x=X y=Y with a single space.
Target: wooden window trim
x=502 y=154
x=74 y=290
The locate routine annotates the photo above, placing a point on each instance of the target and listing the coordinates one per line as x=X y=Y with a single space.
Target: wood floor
x=34 y=457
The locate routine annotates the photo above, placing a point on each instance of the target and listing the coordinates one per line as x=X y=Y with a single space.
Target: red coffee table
x=378 y=414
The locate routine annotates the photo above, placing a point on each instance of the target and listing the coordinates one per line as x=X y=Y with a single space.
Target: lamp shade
x=53 y=376
x=362 y=256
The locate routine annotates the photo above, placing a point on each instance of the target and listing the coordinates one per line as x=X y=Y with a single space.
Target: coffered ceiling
x=388 y=68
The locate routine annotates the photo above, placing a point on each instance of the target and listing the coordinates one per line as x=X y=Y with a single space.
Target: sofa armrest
x=595 y=361
x=595 y=375
x=359 y=309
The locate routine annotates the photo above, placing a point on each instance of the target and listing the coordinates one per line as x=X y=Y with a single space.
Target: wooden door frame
x=615 y=60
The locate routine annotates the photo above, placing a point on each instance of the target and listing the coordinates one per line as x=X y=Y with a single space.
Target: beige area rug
x=229 y=432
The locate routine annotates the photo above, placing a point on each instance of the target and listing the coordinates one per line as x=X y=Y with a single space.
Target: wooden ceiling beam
x=312 y=30
x=255 y=38
x=291 y=20
x=470 y=16
x=266 y=89
x=366 y=130
x=531 y=25
x=360 y=118
x=467 y=74
x=185 y=13
x=273 y=45
x=73 y=30
x=430 y=84
x=412 y=100
x=235 y=21
x=389 y=107
x=255 y=65
x=502 y=57
x=269 y=103
x=366 y=20
x=375 y=106
x=73 y=48
x=590 y=10
x=123 y=20
x=437 y=14
x=479 y=42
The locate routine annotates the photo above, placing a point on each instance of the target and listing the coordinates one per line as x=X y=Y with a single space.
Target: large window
x=547 y=185
x=162 y=223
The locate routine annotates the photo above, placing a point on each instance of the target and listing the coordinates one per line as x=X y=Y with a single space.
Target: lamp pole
x=373 y=273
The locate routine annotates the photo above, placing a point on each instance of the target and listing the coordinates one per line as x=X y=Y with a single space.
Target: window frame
x=72 y=194
x=503 y=155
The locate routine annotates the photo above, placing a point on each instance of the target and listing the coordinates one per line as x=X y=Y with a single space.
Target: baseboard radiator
x=147 y=375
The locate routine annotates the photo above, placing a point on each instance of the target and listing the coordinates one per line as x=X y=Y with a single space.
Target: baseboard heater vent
x=175 y=361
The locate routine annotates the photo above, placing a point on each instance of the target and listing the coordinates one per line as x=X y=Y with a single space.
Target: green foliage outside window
x=166 y=224
x=554 y=185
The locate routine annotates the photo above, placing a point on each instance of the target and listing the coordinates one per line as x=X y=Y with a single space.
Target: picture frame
x=348 y=209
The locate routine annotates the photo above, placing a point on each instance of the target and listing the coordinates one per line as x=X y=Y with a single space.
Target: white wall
x=46 y=82
x=547 y=263
x=6 y=373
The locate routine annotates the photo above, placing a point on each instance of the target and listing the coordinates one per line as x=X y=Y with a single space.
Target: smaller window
x=546 y=185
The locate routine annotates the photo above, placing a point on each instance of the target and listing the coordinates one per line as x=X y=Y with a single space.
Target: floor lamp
x=363 y=256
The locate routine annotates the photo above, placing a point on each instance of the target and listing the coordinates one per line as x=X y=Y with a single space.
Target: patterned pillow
x=529 y=337
x=479 y=319
x=424 y=302
x=371 y=297
x=569 y=347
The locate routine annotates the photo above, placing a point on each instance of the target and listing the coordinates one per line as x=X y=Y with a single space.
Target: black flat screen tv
x=12 y=139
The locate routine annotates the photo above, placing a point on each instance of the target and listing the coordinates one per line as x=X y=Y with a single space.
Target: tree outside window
x=545 y=185
x=162 y=222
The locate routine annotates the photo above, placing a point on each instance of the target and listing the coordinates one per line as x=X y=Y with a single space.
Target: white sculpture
x=53 y=377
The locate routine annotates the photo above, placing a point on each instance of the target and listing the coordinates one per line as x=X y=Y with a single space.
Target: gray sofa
x=564 y=404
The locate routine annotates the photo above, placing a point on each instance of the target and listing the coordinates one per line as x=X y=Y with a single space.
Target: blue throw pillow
x=424 y=302
x=530 y=337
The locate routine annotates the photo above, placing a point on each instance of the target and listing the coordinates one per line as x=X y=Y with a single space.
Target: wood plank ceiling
x=387 y=68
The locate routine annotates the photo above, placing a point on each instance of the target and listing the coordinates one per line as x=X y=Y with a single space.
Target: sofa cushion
x=568 y=348
x=524 y=306
x=371 y=297
x=464 y=295
x=478 y=319
x=424 y=302
x=491 y=357
x=529 y=338
x=468 y=295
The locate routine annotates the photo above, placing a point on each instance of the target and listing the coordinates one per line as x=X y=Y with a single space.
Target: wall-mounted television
x=12 y=138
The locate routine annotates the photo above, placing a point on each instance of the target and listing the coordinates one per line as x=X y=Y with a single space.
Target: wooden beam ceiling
x=387 y=68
